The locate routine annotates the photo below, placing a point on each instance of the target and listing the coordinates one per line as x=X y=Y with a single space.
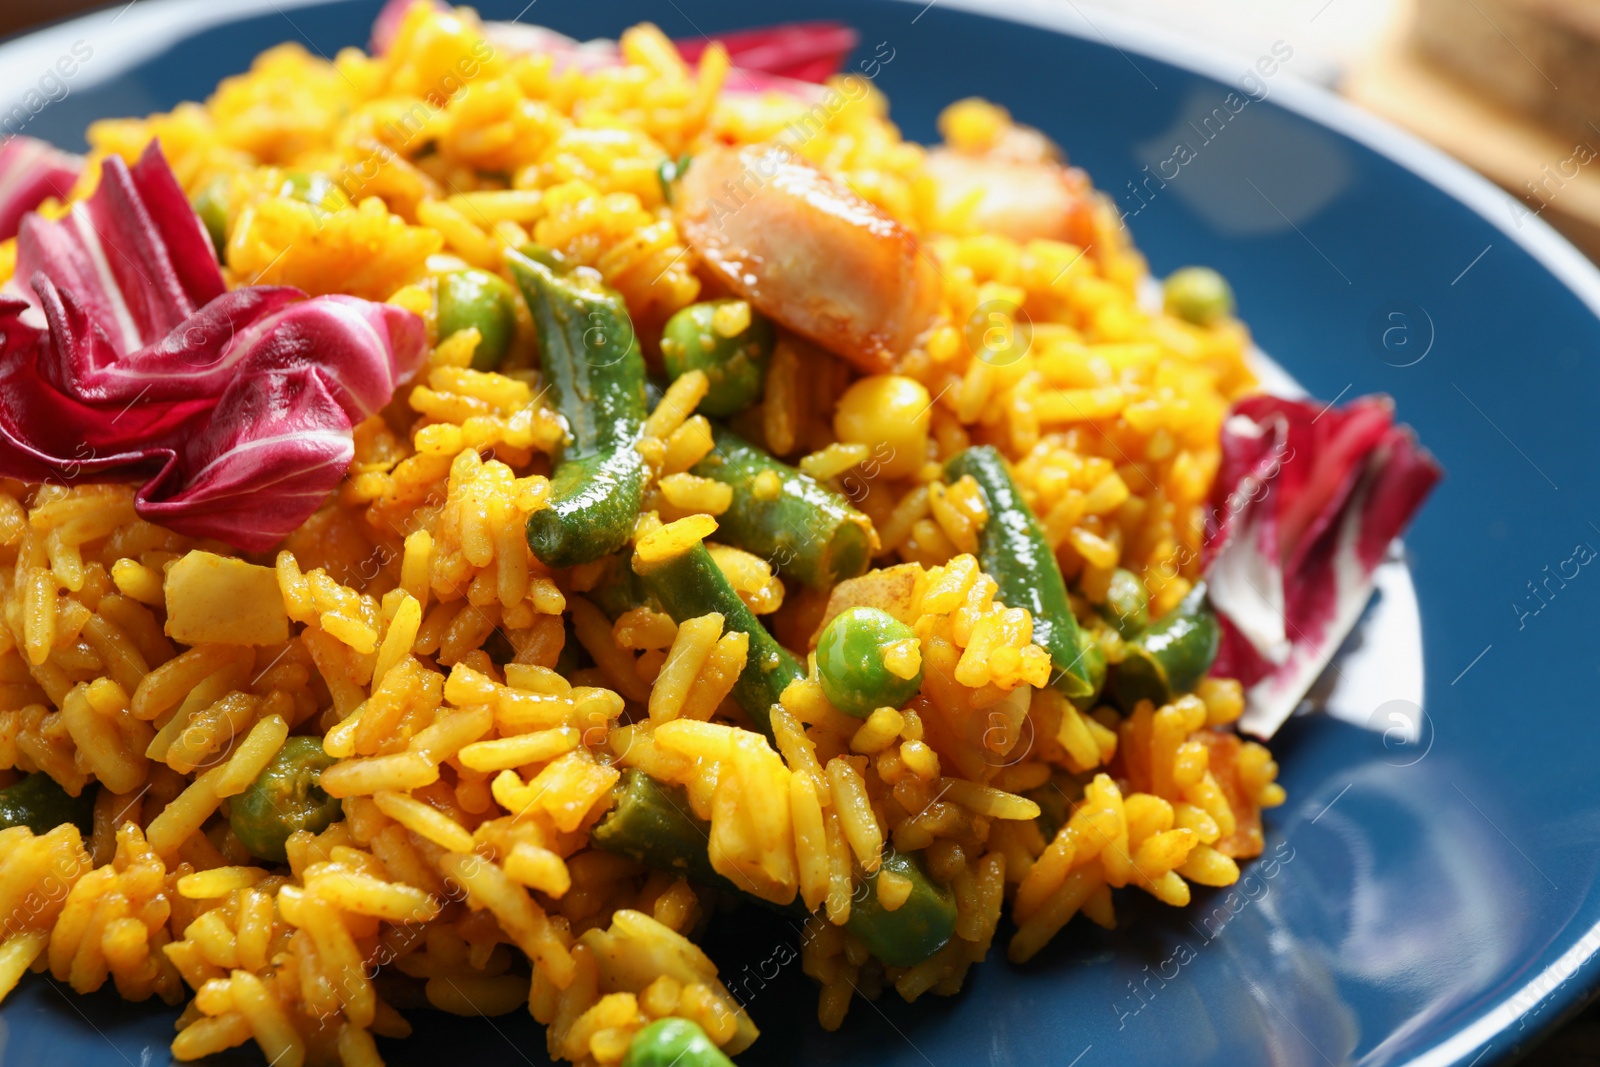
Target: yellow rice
x=408 y=625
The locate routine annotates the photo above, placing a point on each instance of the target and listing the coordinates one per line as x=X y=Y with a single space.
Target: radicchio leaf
x=32 y=171
x=1305 y=504
x=276 y=445
x=803 y=51
x=793 y=58
x=234 y=409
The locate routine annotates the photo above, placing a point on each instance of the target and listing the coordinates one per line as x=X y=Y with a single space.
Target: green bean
x=1012 y=550
x=809 y=532
x=918 y=928
x=1094 y=663
x=38 y=802
x=652 y=823
x=735 y=366
x=591 y=361
x=1127 y=606
x=673 y=1042
x=1199 y=295
x=690 y=585
x=484 y=301
x=285 y=797
x=1170 y=657
x=850 y=662
x=619 y=589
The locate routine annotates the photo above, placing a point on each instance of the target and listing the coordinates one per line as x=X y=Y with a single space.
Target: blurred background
x=1509 y=87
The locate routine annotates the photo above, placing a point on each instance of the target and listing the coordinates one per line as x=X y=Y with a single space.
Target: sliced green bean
x=592 y=363
x=39 y=802
x=1012 y=550
x=806 y=530
x=1170 y=657
x=690 y=585
x=652 y=823
x=1094 y=663
x=1127 y=606
x=619 y=589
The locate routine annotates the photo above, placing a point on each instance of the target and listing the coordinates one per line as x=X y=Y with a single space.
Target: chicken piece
x=808 y=252
x=1016 y=198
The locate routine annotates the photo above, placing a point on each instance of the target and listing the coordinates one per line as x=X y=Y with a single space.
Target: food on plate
x=473 y=514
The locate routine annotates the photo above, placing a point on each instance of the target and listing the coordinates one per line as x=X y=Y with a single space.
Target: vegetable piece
x=314 y=188
x=1127 y=605
x=285 y=797
x=476 y=298
x=220 y=599
x=809 y=252
x=591 y=361
x=788 y=58
x=1303 y=510
x=652 y=823
x=918 y=928
x=673 y=1042
x=619 y=589
x=1094 y=662
x=31 y=172
x=1170 y=657
x=808 y=531
x=805 y=51
x=1012 y=550
x=215 y=206
x=891 y=414
x=850 y=662
x=668 y=174
x=211 y=205
x=38 y=802
x=1198 y=294
x=735 y=364
x=689 y=585
x=234 y=409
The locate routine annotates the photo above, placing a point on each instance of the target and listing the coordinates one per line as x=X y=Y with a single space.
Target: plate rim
x=146 y=26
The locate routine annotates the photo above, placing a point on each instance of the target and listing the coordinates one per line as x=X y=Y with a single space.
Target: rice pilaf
x=482 y=711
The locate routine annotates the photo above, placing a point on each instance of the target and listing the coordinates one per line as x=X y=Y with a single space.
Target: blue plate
x=1427 y=895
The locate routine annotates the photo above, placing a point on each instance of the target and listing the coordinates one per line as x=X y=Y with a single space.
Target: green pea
x=212 y=207
x=1199 y=295
x=850 y=662
x=310 y=187
x=1127 y=606
x=673 y=1042
x=736 y=366
x=285 y=797
x=38 y=802
x=482 y=300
